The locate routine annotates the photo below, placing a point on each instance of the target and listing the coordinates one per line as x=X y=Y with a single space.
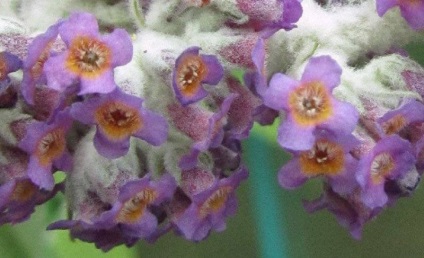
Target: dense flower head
x=147 y=121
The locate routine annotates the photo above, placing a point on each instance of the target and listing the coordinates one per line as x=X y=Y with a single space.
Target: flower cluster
x=147 y=121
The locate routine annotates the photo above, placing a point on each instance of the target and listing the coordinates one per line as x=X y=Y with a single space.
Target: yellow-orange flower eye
x=88 y=57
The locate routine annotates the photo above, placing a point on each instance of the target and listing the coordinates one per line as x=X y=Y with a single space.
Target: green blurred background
x=270 y=223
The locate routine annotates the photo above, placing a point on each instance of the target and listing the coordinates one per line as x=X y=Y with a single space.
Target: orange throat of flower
x=24 y=191
x=394 y=125
x=382 y=165
x=325 y=158
x=216 y=201
x=310 y=104
x=118 y=120
x=88 y=57
x=190 y=72
x=133 y=209
x=51 y=146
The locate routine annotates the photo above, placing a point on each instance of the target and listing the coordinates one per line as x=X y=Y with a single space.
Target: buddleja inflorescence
x=136 y=101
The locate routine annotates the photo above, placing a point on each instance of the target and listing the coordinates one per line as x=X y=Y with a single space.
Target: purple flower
x=38 y=53
x=390 y=159
x=210 y=208
x=411 y=10
x=309 y=104
x=18 y=199
x=118 y=116
x=328 y=157
x=350 y=212
x=46 y=145
x=132 y=209
x=271 y=15
x=90 y=57
x=397 y=121
x=191 y=71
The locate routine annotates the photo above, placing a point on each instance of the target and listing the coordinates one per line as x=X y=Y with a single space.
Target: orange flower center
x=23 y=191
x=51 y=146
x=118 y=120
x=216 y=201
x=310 y=104
x=133 y=209
x=394 y=125
x=3 y=67
x=88 y=57
x=381 y=166
x=325 y=158
x=190 y=72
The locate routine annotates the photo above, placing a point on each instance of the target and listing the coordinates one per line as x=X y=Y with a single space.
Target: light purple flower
x=46 y=145
x=191 y=71
x=390 y=159
x=132 y=209
x=411 y=10
x=90 y=57
x=309 y=105
x=210 y=208
x=38 y=53
x=118 y=116
x=8 y=63
x=329 y=157
x=271 y=15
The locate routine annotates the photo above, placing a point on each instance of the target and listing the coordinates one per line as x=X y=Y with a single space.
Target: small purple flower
x=90 y=57
x=191 y=71
x=350 y=212
x=396 y=121
x=19 y=197
x=38 y=53
x=271 y=15
x=390 y=159
x=132 y=209
x=46 y=145
x=328 y=157
x=411 y=10
x=309 y=104
x=210 y=208
x=118 y=116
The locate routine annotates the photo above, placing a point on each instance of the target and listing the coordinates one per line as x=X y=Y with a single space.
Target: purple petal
x=280 y=86
x=384 y=5
x=413 y=12
x=154 y=129
x=344 y=119
x=110 y=149
x=119 y=41
x=290 y=175
x=58 y=76
x=322 y=69
x=78 y=24
x=294 y=137
x=215 y=69
x=40 y=175
x=103 y=83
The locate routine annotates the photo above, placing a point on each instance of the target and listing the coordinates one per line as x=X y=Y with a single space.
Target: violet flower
x=309 y=104
x=46 y=145
x=8 y=63
x=191 y=71
x=90 y=57
x=38 y=53
x=329 y=157
x=390 y=159
x=118 y=116
x=411 y=10
x=210 y=208
x=132 y=209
